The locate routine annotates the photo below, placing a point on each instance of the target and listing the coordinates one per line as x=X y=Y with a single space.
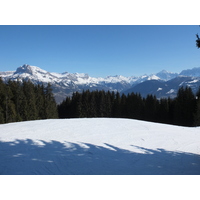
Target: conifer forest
x=23 y=101
x=184 y=110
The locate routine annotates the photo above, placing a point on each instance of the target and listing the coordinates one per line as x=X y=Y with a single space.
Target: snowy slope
x=98 y=146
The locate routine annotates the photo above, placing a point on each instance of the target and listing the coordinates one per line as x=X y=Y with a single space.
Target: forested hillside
x=183 y=110
x=23 y=101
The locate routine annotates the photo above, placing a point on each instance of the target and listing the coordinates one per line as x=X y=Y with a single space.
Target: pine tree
x=184 y=107
x=108 y=104
x=151 y=105
x=123 y=106
x=30 y=109
x=85 y=103
x=92 y=105
x=197 y=114
x=101 y=104
x=2 y=101
x=197 y=111
x=50 y=103
x=40 y=101
x=9 y=106
x=163 y=111
x=2 y=120
x=16 y=90
x=76 y=105
x=116 y=106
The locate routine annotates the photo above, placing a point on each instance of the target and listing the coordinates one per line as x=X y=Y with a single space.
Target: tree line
x=184 y=110
x=23 y=101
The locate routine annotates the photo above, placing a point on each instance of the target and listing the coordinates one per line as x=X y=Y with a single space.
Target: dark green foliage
x=22 y=101
x=183 y=110
x=197 y=113
x=198 y=41
x=151 y=107
x=50 y=108
x=184 y=107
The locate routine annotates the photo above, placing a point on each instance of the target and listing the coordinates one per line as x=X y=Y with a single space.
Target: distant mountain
x=195 y=72
x=165 y=75
x=165 y=89
x=64 y=84
x=162 y=84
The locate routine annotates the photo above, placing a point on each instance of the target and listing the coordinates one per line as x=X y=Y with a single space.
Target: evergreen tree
x=108 y=104
x=163 y=111
x=9 y=106
x=2 y=101
x=85 y=103
x=116 y=106
x=2 y=120
x=151 y=105
x=16 y=89
x=40 y=101
x=49 y=103
x=76 y=105
x=101 y=110
x=64 y=109
x=30 y=110
x=92 y=105
x=197 y=112
x=184 y=107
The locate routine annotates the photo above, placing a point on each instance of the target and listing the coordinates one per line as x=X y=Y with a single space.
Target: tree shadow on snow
x=27 y=157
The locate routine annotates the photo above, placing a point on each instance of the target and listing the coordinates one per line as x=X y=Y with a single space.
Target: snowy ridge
x=33 y=72
x=98 y=146
x=64 y=84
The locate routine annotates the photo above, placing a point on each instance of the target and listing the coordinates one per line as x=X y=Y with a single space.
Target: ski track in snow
x=98 y=146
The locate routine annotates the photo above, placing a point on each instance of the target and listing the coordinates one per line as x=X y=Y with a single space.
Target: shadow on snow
x=27 y=157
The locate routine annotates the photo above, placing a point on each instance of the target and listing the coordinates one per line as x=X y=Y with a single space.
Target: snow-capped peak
x=29 y=70
x=166 y=75
x=153 y=77
x=195 y=72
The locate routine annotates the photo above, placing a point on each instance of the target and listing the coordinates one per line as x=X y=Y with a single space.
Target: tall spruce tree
x=50 y=103
x=197 y=111
x=29 y=100
x=151 y=105
x=184 y=107
x=163 y=111
x=10 y=111
x=116 y=105
x=2 y=101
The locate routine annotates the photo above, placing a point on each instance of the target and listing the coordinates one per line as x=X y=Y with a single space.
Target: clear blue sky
x=100 y=50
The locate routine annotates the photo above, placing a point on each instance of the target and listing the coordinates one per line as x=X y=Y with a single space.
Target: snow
x=98 y=146
x=153 y=77
x=37 y=74
x=194 y=81
x=171 y=91
x=159 y=89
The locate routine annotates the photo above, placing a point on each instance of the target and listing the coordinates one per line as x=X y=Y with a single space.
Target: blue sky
x=100 y=50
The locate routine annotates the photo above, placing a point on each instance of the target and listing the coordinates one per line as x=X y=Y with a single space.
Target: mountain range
x=163 y=84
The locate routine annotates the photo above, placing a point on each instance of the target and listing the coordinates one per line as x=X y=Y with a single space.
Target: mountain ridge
x=64 y=84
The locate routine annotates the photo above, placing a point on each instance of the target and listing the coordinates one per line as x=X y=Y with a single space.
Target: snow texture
x=98 y=146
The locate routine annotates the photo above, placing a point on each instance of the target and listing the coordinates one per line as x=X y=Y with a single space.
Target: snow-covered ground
x=98 y=146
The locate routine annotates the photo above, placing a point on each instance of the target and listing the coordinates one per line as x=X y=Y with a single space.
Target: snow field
x=98 y=146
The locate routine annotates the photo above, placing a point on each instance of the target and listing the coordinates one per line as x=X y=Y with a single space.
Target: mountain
x=165 y=75
x=195 y=72
x=98 y=146
x=64 y=84
x=168 y=83
x=165 y=89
